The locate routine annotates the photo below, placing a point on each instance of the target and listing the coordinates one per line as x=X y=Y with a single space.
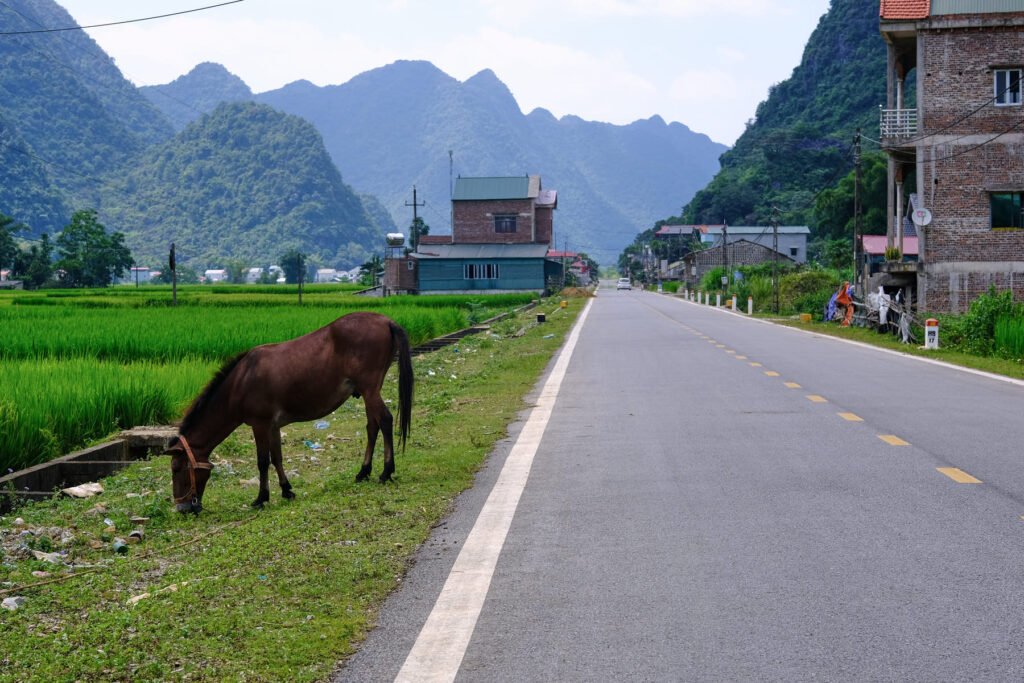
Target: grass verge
x=280 y=594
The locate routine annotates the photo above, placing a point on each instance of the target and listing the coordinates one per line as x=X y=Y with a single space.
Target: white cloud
x=524 y=11
x=265 y=54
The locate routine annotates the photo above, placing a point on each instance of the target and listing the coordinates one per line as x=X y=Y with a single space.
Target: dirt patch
x=576 y=293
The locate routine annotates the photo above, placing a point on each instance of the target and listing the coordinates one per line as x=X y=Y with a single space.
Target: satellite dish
x=921 y=217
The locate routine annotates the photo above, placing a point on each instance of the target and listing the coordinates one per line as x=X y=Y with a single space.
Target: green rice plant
x=51 y=407
x=1009 y=337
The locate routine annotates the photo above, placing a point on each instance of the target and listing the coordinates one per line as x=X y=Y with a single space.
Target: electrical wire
x=92 y=55
x=118 y=23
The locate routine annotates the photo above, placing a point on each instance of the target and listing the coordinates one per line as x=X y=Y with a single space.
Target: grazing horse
x=303 y=379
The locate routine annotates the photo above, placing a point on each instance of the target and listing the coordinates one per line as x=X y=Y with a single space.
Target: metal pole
x=858 y=286
x=775 y=259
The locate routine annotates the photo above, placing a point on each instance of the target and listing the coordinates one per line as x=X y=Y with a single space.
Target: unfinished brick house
x=953 y=129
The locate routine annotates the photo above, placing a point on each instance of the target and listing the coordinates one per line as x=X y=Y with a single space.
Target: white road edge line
x=441 y=644
x=931 y=361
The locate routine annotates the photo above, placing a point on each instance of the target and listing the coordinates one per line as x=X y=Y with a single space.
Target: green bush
x=975 y=331
x=1009 y=337
x=807 y=291
x=670 y=286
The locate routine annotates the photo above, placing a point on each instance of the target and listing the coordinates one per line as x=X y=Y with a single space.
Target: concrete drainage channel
x=42 y=481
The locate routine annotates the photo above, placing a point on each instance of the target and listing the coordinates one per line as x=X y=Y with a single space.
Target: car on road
x=623 y=283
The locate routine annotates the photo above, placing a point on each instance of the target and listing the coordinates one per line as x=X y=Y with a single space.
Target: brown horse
x=303 y=379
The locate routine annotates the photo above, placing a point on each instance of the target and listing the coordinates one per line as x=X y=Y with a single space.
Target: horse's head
x=188 y=476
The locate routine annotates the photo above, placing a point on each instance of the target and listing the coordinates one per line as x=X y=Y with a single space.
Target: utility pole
x=775 y=259
x=451 y=192
x=300 y=266
x=856 y=211
x=174 y=277
x=725 y=248
x=415 y=237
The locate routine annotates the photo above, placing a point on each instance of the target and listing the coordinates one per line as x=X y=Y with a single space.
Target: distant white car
x=623 y=283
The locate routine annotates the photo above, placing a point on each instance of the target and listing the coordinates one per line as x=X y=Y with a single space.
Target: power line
x=118 y=23
x=56 y=60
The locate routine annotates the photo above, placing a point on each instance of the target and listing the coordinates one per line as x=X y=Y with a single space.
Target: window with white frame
x=504 y=222
x=481 y=271
x=1008 y=87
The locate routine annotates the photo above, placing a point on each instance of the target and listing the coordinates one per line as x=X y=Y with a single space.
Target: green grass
x=280 y=594
x=86 y=363
x=49 y=408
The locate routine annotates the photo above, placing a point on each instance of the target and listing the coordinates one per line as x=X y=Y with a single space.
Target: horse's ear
x=173 y=446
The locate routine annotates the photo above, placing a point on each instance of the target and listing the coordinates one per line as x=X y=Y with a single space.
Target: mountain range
x=393 y=127
x=226 y=173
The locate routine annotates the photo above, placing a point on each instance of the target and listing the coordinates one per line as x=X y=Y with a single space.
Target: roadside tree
x=87 y=255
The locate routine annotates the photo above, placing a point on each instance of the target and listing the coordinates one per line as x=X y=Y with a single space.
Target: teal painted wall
x=449 y=274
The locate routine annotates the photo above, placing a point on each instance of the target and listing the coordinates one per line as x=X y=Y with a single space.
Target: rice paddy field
x=79 y=365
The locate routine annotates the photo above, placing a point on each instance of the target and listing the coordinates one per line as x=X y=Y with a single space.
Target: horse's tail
x=405 y=380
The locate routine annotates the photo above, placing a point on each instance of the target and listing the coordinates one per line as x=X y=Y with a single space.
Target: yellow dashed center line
x=755 y=365
x=771 y=373
x=792 y=385
x=814 y=398
x=721 y=346
x=958 y=475
x=741 y=357
x=850 y=417
x=729 y=351
x=893 y=440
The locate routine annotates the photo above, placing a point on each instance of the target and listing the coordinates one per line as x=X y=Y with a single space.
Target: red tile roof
x=905 y=9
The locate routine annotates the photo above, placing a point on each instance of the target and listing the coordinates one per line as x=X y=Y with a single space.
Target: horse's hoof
x=256 y=505
x=287 y=494
x=364 y=474
x=385 y=478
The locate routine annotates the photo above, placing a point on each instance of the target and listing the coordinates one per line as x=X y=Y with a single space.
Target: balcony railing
x=898 y=123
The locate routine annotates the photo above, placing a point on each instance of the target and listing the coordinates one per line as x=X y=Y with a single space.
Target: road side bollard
x=750 y=305
x=718 y=300
x=733 y=303
x=931 y=333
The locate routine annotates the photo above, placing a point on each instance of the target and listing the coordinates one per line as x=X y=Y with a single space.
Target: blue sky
x=704 y=63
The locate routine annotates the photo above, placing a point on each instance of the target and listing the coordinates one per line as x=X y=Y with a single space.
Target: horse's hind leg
x=262 y=434
x=275 y=457
x=378 y=419
x=372 y=429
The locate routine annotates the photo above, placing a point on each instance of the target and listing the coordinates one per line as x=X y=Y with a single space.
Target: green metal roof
x=478 y=189
x=482 y=251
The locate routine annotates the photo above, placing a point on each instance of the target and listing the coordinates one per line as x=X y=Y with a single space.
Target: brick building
x=502 y=230
x=953 y=129
x=696 y=264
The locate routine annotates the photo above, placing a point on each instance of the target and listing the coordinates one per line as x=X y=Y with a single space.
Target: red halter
x=192 y=465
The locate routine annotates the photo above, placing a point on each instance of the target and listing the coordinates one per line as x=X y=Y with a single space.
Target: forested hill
x=800 y=140
x=67 y=116
x=244 y=182
x=188 y=97
x=391 y=128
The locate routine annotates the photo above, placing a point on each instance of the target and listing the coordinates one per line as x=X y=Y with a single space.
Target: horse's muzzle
x=194 y=507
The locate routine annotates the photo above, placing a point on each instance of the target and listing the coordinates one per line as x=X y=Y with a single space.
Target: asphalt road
x=721 y=499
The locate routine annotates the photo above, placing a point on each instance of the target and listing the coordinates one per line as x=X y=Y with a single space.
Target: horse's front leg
x=275 y=457
x=261 y=433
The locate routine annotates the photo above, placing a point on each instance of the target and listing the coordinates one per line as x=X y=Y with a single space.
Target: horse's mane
x=201 y=401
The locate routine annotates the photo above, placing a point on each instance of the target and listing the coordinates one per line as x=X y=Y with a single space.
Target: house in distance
x=502 y=232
